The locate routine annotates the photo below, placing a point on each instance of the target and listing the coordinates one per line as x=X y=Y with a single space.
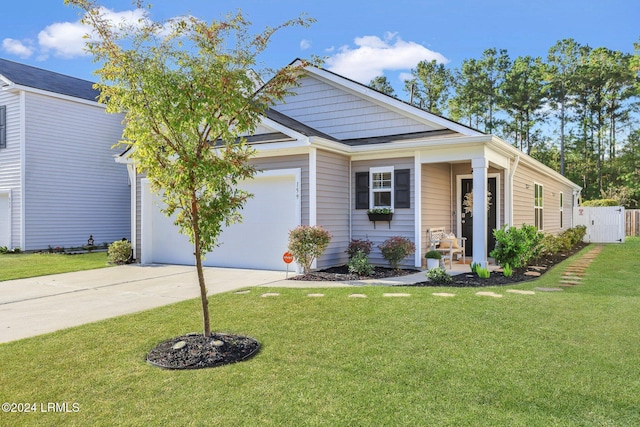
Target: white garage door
x=258 y=242
x=5 y=220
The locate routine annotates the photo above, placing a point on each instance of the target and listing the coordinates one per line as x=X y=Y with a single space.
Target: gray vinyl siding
x=10 y=163
x=332 y=213
x=73 y=186
x=344 y=115
x=403 y=222
x=437 y=199
x=524 y=204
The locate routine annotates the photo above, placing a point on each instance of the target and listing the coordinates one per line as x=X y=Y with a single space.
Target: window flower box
x=380 y=214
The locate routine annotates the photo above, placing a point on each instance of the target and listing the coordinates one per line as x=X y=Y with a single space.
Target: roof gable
x=37 y=78
x=346 y=109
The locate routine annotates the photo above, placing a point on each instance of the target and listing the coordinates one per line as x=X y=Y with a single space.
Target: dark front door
x=467 y=217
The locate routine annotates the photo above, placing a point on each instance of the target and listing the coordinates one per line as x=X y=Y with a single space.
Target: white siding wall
x=73 y=186
x=344 y=115
x=10 y=168
x=403 y=219
x=333 y=205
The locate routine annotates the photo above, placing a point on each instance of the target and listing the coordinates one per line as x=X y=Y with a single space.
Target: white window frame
x=373 y=191
x=538 y=218
x=561 y=197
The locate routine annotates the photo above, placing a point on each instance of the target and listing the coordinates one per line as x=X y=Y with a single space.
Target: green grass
x=20 y=266
x=552 y=359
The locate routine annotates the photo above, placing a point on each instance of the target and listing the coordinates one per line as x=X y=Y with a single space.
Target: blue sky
x=361 y=39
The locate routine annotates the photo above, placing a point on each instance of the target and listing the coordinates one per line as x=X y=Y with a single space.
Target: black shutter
x=362 y=190
x=3 y=126
x=402 y=185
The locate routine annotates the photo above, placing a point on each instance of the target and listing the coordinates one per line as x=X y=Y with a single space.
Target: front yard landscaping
x=565 y=358
x=21 y=266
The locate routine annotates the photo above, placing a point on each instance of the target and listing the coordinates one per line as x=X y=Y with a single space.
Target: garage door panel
x=258 y=242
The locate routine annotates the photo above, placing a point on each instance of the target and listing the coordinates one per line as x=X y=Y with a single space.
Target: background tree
x=562 y=62
x=469 y=103
x=522 y=96
x=381 y=84
x=493 y=70
x=186 y=89
x=430 y=86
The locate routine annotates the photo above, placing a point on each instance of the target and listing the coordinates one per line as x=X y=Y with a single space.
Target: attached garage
x=258 y=242
x=5 y=218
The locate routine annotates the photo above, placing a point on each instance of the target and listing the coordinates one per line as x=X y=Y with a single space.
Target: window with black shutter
x=380 y=192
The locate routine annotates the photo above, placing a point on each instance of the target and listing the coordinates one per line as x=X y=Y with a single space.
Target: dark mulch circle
x=341 y=273
x=195 y=351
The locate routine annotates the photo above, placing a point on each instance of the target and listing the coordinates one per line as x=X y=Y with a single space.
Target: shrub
x=3 y=249
x=359 y=245
x=575 y=234
x=507 y=270
x=483 y=273
x=516 y=246
x=119 y=252
x=359 y=264
x=439 y=276
x=395 y=249
x=600 y=202
x=474 y=267
x=433 y=255
x=307 y=243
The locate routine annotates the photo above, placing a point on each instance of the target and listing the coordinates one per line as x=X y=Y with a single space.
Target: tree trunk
x=562 y=119
x=198 y=254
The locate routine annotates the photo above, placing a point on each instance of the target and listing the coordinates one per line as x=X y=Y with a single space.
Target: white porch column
x=417 y=174
x=480 y=167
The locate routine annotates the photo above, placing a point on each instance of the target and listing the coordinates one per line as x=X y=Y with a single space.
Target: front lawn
x=20 y=266
x=551 y=359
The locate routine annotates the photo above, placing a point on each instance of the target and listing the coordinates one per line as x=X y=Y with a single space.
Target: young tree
x=186 y=89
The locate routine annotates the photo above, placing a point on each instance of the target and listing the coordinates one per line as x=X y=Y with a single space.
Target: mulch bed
x=195 y=351
x=461 y=280
x=341 y=273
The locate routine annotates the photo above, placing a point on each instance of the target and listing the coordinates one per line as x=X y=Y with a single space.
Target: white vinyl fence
x=604 y=224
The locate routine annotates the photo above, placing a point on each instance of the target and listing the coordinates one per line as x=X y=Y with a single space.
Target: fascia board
x=283 y=129
x=55 y=95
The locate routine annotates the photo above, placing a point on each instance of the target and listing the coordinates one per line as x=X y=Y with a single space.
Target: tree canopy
x=189 y=95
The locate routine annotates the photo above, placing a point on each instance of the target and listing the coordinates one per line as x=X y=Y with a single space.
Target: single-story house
x=337 y=148
x=59 y=183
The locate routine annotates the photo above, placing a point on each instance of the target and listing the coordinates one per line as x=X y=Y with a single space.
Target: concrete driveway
x=38 y=305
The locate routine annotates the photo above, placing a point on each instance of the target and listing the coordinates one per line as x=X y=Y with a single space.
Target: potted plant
x=380 y=214
x=433 y=259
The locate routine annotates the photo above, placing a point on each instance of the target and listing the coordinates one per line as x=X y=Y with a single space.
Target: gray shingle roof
x=37 y=78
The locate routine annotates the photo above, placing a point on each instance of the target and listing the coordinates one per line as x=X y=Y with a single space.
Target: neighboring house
x=337 y=148
x=58 y=181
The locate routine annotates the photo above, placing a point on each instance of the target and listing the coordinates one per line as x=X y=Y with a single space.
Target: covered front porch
x=444 y=195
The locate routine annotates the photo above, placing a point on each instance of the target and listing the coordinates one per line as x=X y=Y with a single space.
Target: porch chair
x=447 y=244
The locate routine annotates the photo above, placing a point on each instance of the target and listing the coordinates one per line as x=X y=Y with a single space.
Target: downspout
x=350 y=180
x=512 y=174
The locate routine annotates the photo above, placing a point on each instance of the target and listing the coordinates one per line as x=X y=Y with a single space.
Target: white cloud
x=305 y=44
x=64 y=39
x=23 y=49
x=373 y=55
